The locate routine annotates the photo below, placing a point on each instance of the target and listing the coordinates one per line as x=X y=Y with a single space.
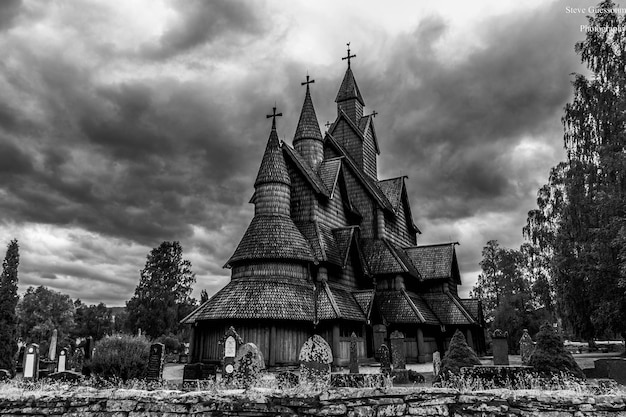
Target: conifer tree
x=458 y=355
x=550 y=355
x=8 y=302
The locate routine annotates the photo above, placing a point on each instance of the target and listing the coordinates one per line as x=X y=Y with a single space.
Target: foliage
x=204 y=297
x=474 y=380
x=551 y=357
x=8 y=304
x=121 y=356
x=42 y=310
x=458 y=355
x=580 y=222
x=93 y=320
x=171 y=342
x=162 y=299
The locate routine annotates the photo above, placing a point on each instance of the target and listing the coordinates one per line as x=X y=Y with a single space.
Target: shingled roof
x=392 y=188
x=322 y=241
x=475 y=308
x=309 y=175
x=397 y=306
x=434 y=261
x=385 y=257
x=329 y=173
x=259 y=298
x=308 y=126
x=338 y=303
x=349 y=89
x=273 y=167
x=448 y=308
x=272 y=237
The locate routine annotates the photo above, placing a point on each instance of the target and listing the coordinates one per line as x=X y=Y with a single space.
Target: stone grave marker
x=52 y=350
x=155 y=362
x=79 y=359
x=89 y=347
x=31 y=362
x=380 y=333
x=354 y=354
x=62 y=362
x=500 y=347
x=247 y=365
x=398 y=355
x=526 y=347
x=20 y=359
x=231 y=342
x=193 y=373
x=315 y=358
x=385 y=362
x=436 y=363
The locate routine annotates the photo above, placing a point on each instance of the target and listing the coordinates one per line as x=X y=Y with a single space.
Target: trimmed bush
x=121 y=356
x=171 y=342
x=551 y=357
x=459 y=355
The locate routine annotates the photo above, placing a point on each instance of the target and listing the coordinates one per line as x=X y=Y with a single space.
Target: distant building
x=332 y=250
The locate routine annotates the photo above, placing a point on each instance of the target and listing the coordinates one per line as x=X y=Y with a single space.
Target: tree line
x=573 y=267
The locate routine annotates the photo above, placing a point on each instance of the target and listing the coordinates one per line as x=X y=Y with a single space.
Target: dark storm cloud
x=456 y=124
x=9 y=10
x=225 y=23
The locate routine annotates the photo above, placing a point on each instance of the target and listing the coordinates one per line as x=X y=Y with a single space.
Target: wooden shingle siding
x=363 y=203
x=369 y=155
x=352 y=108
x=272 y=198
x=397 y=230
x=303 y=202
x=272 y=270
x=332 y=212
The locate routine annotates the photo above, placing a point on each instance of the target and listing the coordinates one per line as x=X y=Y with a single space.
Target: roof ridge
x=349 y=89
x=430 y=245
x=308 y=125
x=331 y=298
x=310 y=175
x=461 y=307
x=413 y=306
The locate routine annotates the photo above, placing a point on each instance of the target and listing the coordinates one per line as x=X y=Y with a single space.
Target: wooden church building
x=331 y=250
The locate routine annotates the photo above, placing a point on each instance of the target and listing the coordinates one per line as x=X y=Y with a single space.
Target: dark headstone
x=248 y=365
x=385 y=362
x=31 y=362
x=230 y=345
x=20 y=359
x=199 y=372
x=614 y=368
x=354 y=354
x=380 y=334
x=155 y=362
x=46 y=367
x=500 y=347
x=526 y=347
x=79 y=359
x=315 y=359
x=398 y=356
x=89 y=347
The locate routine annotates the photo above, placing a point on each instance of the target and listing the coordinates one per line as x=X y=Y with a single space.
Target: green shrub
x=459 y=355
x=171 y=342
x=121 y=356
x=551 y=357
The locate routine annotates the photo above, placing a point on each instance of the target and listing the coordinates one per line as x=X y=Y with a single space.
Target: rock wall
x=339 y=402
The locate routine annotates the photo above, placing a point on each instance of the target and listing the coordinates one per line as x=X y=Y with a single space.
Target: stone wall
x=339 y=402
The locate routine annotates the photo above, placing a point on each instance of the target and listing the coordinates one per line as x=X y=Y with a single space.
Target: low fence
x=339 y=402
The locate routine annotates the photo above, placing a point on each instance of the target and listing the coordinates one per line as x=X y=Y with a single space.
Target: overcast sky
x=127 y=123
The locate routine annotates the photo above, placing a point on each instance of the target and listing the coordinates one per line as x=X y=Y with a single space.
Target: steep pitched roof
x=397 y=306
x=273 y=167
x=367 y=122
x=309 y=175
x=272 y=237
x=344 y=237
x=329 y=173
x=434 y=261
x=367 y=182
x=392 y=188
x=448 y=308
x=338 y=303
x=349 y=89
x=365 y=299
x=322 y=241
x=258 y=298
x=385 y=257
x=308 y=126
x=475 y=308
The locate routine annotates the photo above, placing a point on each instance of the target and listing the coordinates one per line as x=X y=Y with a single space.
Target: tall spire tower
x=308 y=138
x=349 y=97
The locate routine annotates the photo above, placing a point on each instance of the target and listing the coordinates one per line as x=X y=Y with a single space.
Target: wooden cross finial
x=274 y=115
x=374 y=113
x=349 y=56
x=327 y=125
x=307 y=82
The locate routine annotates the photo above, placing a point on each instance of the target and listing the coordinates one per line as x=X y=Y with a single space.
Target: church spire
x=273 y=168
x=308 y=137
x=349 y=97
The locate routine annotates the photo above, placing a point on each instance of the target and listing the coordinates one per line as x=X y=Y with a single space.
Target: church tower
x=308 y=138
x=349 y=99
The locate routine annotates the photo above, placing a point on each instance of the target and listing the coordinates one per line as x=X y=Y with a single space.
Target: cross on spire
x=327 y=125
x=374 y=113
x=307 y=82
x=349 y=56
x=274 y=115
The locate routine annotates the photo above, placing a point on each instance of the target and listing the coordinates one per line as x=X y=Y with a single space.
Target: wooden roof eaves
x=400 y=261
x=413 y=306
x=305 y=172
x=188 y=317
x=347 y=200
x=454 y=268
x=331 y=298
x=380 y=199
x=461 y=307
x=354 y=127
x=370 y=306
x=409 y=214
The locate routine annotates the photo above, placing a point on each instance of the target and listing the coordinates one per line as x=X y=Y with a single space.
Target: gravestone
x=385 y=363
x=436 y=363
x=231 y=341
x=526 y=347
x=193 y=373
x=62 y=362
x=500 y=346
x=315 y=359
x=89 y=347
x=398 y=356
x=31 y=362
x=380 y=333
x=20 y=359
x=248 y=365
x=52 y=350
x=155 y=362
x=79 y=359
x=354 y=354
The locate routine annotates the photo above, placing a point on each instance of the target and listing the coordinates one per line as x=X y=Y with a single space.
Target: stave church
x=333 y=250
